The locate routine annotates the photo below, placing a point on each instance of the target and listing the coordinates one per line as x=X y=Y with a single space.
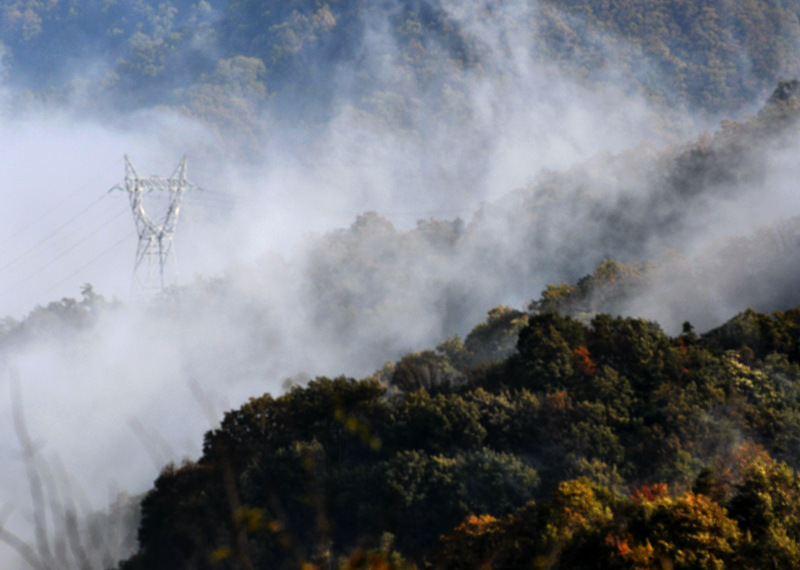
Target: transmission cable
x=51 y=234
x=62 y=254
x=127 y=237
x=55 y=206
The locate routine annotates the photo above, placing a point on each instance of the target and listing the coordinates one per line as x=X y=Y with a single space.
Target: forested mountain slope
x=578 y=418
x=540 y=146
x=665 y=208
x=600 y=439
x=209 y=55
x=373 y=291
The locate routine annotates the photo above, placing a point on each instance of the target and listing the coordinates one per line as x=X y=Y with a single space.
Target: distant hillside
x=209 y=56
x=717 y=56
x=372 y=291
x=641 y=206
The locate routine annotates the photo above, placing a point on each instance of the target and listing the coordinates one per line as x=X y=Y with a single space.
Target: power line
x=54 y=207
x=51 y=234
x=127 y=237
x=60 y=255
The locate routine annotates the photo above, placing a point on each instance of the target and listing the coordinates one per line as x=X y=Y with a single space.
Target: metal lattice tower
x=155 y=269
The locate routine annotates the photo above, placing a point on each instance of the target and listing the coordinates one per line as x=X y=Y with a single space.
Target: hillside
x=577 y=419
x=478 y=451
x=719 y=58
x=600 y=186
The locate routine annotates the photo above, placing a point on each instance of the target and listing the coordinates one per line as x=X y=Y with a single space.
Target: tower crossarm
x=155 y=235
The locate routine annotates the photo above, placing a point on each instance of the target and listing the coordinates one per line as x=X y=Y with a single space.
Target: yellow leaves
x=249 y=518
x=475 y=543
x=754 y=384
x=221 y=553
x=692 y=531
x=642 y=557
x=361 y=429
x=477 y=525
x=688 y=531
x=481 y=520
x=499 y=312
x=576 y=506
x=555 y=297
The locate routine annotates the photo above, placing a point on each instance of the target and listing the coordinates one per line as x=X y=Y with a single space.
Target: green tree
x=766 y=506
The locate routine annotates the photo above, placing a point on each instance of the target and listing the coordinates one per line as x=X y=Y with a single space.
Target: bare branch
x=32 y=474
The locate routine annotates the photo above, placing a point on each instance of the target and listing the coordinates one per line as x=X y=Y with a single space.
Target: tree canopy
x=594 y=442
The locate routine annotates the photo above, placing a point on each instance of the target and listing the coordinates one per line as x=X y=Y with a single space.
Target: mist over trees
x=546 y=454
x=499 y=330
x=720 y=57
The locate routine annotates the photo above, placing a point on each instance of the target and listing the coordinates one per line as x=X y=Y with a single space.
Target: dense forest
x=717 y=57
x=221 y=61
x=539 y=438
x=623 y=417
x=602 y=444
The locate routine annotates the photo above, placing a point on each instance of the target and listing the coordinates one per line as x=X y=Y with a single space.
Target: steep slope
x=332 y=466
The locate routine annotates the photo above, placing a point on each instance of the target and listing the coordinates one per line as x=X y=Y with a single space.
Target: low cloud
x=331 y=248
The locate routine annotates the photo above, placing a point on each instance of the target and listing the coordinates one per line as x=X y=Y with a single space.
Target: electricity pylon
x=154 y=252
